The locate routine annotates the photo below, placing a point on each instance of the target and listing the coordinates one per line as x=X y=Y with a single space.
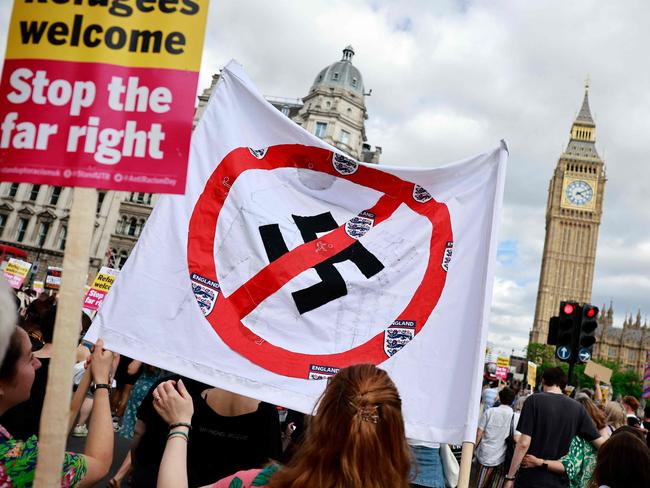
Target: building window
x=22 y=228
x=100 y=201
x=3 y=223
x=121 y=225
x=285 y=110
x=140 y=197
x=345 y=137
x=123 y=257
x=33 y=195
x=149 y=197
x=13 y=189
x=56 y=194
x=631 y=355
x=612 y=352
x=354 y=82
x=63 y=234
x=43 y=229
x=335 y=76
x=133 y=223
x=321 y=129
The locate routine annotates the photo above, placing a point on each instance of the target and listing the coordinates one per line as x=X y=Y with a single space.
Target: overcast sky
x=450 y=79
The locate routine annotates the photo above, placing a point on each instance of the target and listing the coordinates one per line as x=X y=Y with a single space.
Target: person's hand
x=172 y=402
x=597 y=379
x=508 y=484
x=290 y=428
x=531 y=461
x=100 y=363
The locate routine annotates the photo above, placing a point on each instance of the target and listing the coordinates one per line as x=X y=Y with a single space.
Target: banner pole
x=465 y=464
x=53 y=431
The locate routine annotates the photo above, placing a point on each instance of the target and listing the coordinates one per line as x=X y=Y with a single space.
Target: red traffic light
x=591 y=312
x=568 y=309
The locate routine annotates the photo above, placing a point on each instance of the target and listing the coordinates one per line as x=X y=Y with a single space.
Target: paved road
x=77 y=444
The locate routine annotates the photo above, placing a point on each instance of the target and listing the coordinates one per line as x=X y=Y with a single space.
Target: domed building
x=334 y=109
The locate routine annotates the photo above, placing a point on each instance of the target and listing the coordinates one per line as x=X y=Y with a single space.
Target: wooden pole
x=465 y=464
x=56 y=407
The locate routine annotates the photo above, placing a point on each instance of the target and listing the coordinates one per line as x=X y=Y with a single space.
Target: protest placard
x=53 y=278
x=532 y=374
x=38 y=286
x=503 y=367
x=605 y=374
x=100 y=94
x=16 y=271
x=97 y=292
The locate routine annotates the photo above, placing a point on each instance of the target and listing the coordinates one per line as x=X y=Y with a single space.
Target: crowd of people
x=185 y=433
x=547 y=439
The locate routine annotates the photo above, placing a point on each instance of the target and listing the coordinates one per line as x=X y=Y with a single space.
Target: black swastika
x=332 y=284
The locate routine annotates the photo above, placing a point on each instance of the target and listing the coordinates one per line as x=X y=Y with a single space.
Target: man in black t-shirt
x=219 y=445
x=548 y=422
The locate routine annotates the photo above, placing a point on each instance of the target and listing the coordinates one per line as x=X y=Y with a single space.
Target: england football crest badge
x=359 y=226
x=397 y=335
x=318 y=372
x=446 y=257
x=420 y=195
x=205 y=291
x=344 y=165
x=258 y=153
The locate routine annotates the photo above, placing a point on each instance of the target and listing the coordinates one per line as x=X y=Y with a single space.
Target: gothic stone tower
x=573 y=213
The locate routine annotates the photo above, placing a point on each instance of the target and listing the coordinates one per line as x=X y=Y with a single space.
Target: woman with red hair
x=356 y=438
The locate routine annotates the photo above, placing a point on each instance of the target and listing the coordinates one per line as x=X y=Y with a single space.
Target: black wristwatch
x=545 y=466
x=102 y=385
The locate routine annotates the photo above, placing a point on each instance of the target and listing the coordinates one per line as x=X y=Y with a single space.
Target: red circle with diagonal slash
x=228 y=312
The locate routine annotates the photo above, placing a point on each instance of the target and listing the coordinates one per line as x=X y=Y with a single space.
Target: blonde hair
x=615 y=414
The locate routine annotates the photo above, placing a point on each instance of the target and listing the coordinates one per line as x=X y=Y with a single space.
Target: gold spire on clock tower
x=573 y=215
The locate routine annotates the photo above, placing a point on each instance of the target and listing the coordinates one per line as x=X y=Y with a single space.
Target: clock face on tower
x=579 y=192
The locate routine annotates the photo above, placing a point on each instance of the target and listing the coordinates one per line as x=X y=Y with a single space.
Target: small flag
x=646 y=377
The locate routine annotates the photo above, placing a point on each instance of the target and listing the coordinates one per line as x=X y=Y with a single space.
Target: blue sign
x=563 y=353
x=584 y=355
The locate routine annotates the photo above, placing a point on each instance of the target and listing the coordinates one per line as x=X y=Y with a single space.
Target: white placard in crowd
x=285 y=261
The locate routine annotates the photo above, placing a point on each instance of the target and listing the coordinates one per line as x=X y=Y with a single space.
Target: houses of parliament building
x=573 y=215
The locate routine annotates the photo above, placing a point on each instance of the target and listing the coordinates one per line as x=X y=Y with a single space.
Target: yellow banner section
x=134 y=33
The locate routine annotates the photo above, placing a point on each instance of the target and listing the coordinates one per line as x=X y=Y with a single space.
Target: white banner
x=286 y=261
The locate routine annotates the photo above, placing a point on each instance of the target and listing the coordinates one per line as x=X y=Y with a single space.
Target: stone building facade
x=625 y=345
x=33 y=218
x=573 y=215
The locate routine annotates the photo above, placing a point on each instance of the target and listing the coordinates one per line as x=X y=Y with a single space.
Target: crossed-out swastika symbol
x=332 y=284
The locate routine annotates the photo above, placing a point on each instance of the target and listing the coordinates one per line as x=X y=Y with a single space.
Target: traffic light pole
x=571 y=373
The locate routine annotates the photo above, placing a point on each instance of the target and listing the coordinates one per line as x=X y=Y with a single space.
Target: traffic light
x=567 y=327
x=587 y=337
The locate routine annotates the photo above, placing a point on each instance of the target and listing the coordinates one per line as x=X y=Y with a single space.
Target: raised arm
x=174 y=404
x=598 y=393
x=99 y=446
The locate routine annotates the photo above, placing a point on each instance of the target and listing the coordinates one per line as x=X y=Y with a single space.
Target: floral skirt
x=138 y=392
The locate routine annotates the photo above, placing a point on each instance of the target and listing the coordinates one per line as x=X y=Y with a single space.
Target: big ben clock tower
x=573 y=213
